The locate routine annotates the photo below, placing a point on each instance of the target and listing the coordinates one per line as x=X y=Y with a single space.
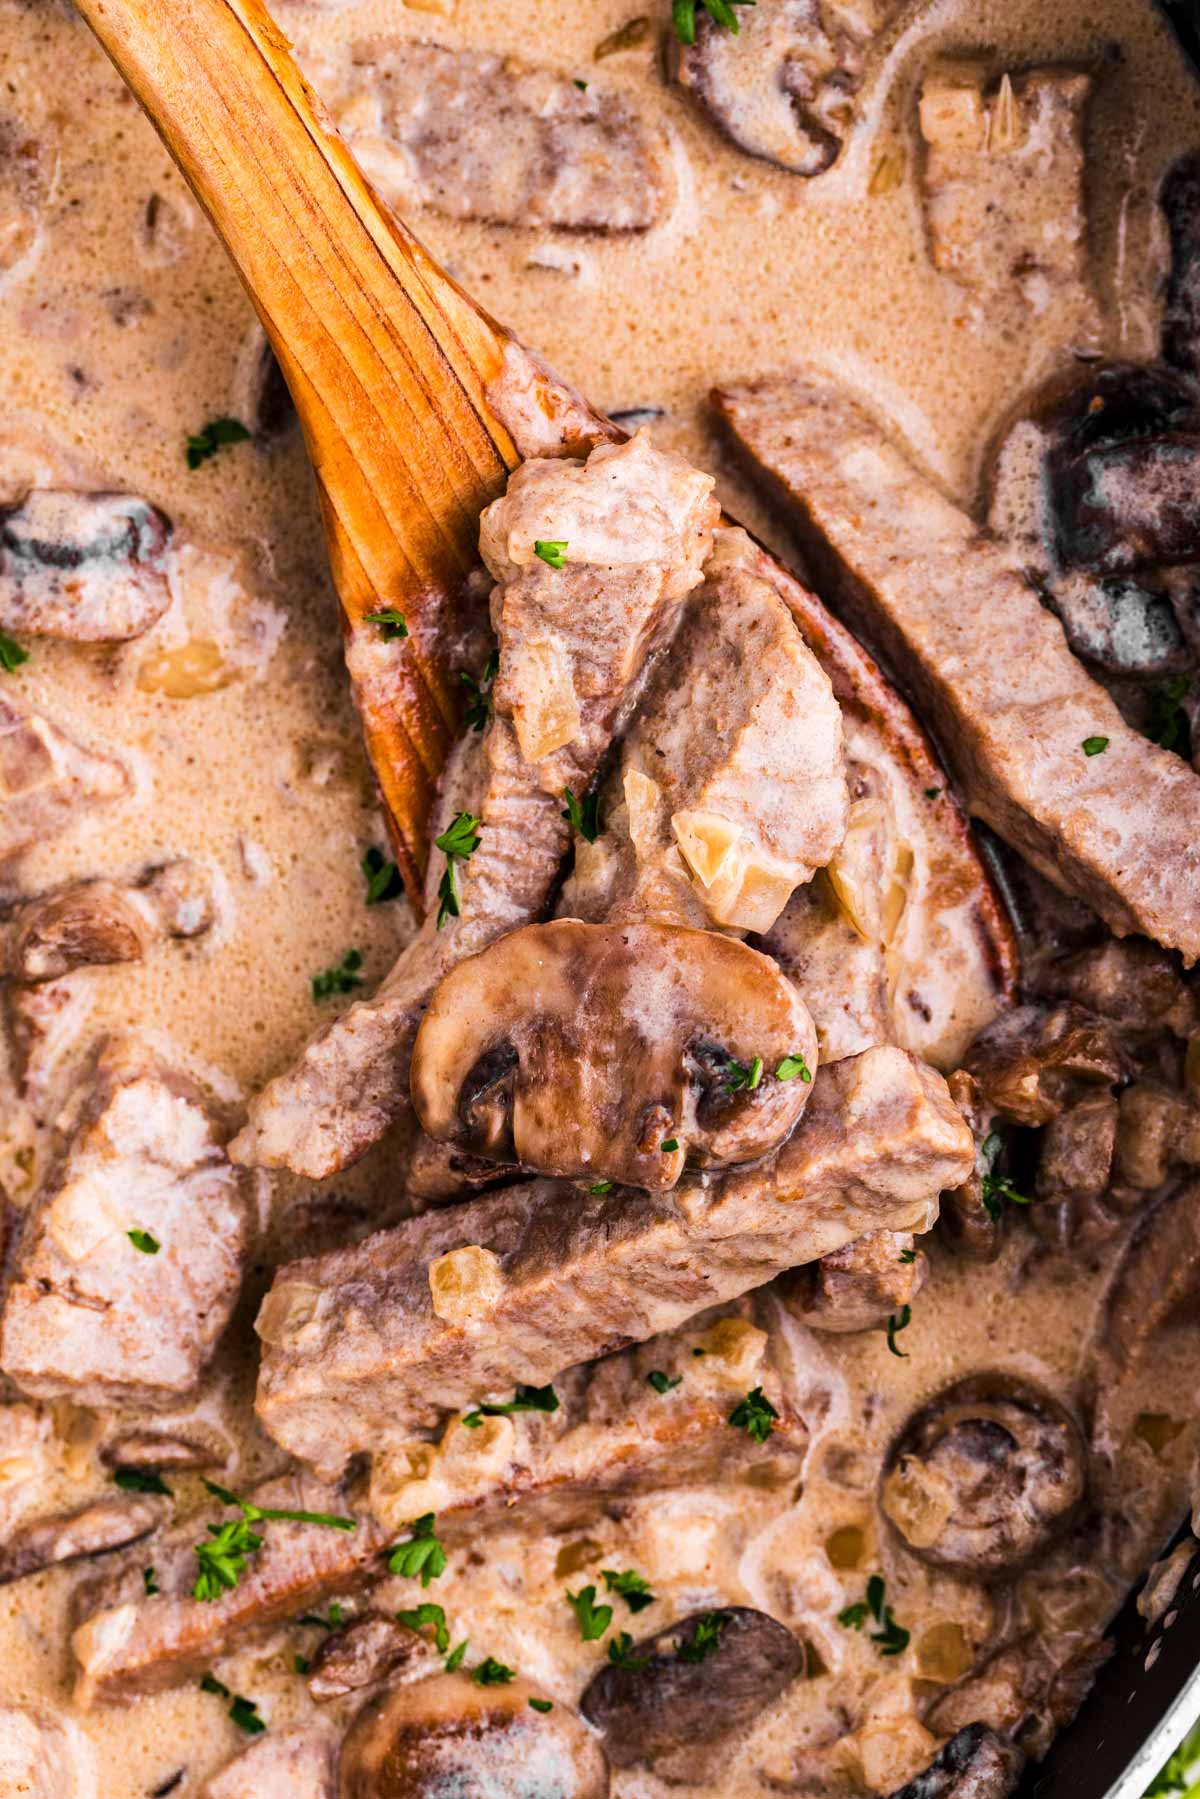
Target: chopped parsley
x=223 y=1559
x=1094 y=746
x=491 y=1673
x=897 y=1322
x=343 y=977
x=755 y=1415
x=141 y=1480
x=547 y=1705
x=1167 y=724
x=620 y=1653
x=479 y=709
x=334 y=1621
x=600 y=1187
x=392 y=624
x=525 y=1399
x=908 y=1256
x=454 y=1659
x=146 y=1241
x=683 y=16
x=421 y=1557
x=932 y=793
x=212 y=437
x=11 y=654
x=705 y=1639
x=381 y=875
x=458 y=842
x=301 y=1664
x=149 y=1582
x=593 y=1619
x=739 y=1078
x=891 y=1638
x=632 y=1587
x=662 y=1383
x=793 y=1065
x=424 y=1615
x=552 y=551
x=584 y=819
x=244 y=1712
x=996 y=1189
x=669 y=1145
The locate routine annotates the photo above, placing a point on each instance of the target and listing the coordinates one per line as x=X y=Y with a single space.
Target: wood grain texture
x=388 y=361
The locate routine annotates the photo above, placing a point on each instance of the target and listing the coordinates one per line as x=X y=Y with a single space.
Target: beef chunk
x=105 y=1525
x=1134 y=984
x=91 y=923
x=87 y=1311
x=45 y=776
x=90 y=567
x=784 y=84
x=1077 y=1150
x=1014 y=707
x=48 y=1040
x=1035 y=1061
x=296 y=1764
x=373 y=1340
x=1157 y=1130
x=1002 y=178
x=26 y=1461
x=975 y=1764
x=858 y=1287
x=476 y=135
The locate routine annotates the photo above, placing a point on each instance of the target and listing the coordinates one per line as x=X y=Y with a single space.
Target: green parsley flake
x=343 y=977
x=392 y=624
x=932 y=793
x=382 y=877
x=552 y=551
x=223 y=1560
x=1167 y=724
x=662 y=1383
x=458 y=843
x=584 y=819
x=739 y=1078
x=334 y=1621
x=908 y=1256
x=705 y=1639
x=149 y=1582
x=683 y=16
x=996 y=1189
x=669 y=1145
x=600 y=1187
x=899 y=1321
x=11 y=654
x=455 y=1657
x=525 y=1399
x=146 y=1241
x=593 y=1619
x=421 y=1556
x=141 y=1480
x=212 y=437
x=244 y=1713
x=891 y=1638
x=793 y=1065
x=480 y=708
x=755 y=1415
x=424 y=1615
x=1094 y=746
x=301 y=1664
x=547 y=1705
x=491 y=1673
x=632 y=1587
x=620 y=1653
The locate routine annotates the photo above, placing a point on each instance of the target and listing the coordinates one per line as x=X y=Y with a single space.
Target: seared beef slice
x=950 y=609
x=89 y=1314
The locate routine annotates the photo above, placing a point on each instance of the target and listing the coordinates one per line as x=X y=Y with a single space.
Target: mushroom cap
x=581 y=1050
x=447 y=1735
x=985 y=1475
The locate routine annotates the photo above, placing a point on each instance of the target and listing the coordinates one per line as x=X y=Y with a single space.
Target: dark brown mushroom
x=1157 y=1130
x=984 y=1476
x=614 y=1052
x=858 y=1287
x=153 y=1451
x=104 y=1525
x=1128 y=980
x=85 y=566
x=90 y=924
x=367 y=1650
x=704 y=1677
x=1026 y=1691
x=1077 y=1150
x=261 y=398
x=1036 y=1061
x=1157 y=1281
x=1180 y=202
x=450 y=1734
x=975 y=1764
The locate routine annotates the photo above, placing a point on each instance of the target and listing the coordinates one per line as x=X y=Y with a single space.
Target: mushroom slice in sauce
x=857 y=1288
x=90 y=567
x=45 y=776
x=705 y=1676
x=368 y=1650
x=561 y=1276
x=1035 y=1061
x=295 y=1764
x=1013 y=706
x=783 y=85
x=93 y=923
x=1180 y=202
x=95 y=1529
x=452 y=1735
x=476 y=135
x=129 y=1258
x=982 y=1478
x=614 y=1052
x=1157 y=1279
x=975 y=1764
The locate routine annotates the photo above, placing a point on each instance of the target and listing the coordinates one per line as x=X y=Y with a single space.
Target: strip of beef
x=45 y=776
x=129 y=1258
x=613 y=1433
x=1002 y=178
x=96 y=922
x=477 y=135
x=951 y=609
x=47 y=1039
x=520 y=1284
x=95 y=1529
x=731 y=786
x=295 y=1764
x=858 y=1287
x=783 y=86
x=43 y=1755
x=573 y=644
x=90 y=567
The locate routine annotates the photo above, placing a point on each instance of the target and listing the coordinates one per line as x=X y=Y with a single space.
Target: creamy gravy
x=120 y=331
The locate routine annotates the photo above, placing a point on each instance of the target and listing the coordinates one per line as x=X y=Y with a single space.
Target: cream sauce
x=120 y=328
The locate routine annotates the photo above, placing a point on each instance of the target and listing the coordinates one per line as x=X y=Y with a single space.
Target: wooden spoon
x=389 y=362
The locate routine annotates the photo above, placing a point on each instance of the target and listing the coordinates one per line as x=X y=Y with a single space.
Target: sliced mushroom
x=370 y=1649
x=1157 y=1130
x=93 y=923
x=858 y=1287
x=1132 y=982
x=975 y=1764
x=703 y=1677
x=85 y=566
x=449 y=1735
x=1034 y=1062
x=104 y=1525
x=1127 y=506
x=782 y=86
x=261 y=398
x=984 y=1476
x=1180 y=202
x=152 y=1450
x=614 y=1052
x=1157 y=1281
